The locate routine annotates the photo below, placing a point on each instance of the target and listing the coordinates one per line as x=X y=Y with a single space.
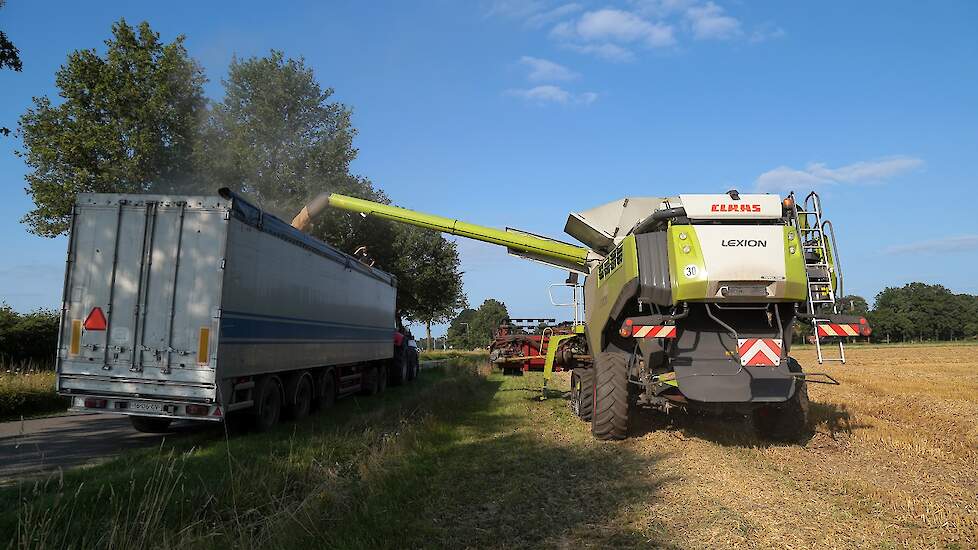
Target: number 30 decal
x=691 y=271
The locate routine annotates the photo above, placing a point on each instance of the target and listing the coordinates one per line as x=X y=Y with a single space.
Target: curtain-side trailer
x=199 y=307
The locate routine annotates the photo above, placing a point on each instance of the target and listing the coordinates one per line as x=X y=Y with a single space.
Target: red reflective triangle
x=96 y=320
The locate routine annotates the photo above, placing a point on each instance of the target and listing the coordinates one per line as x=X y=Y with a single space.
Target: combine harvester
x=199 y=307
x=690 y=301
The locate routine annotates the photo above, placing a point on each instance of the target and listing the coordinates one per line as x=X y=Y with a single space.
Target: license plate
x=145 y=406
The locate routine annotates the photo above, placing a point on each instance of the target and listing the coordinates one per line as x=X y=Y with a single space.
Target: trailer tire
x=382 y=376
x=268 y=405
x=299 y=393
x=582 y=393
x=609 y=417
x=150 y=424
x=327 y=393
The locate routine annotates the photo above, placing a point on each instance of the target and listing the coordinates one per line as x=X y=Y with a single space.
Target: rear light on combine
x=92 y=403
x=864 y=328
x=198 y=410
x=626 y=329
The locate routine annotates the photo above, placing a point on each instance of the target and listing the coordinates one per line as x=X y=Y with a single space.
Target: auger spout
x=550 y=251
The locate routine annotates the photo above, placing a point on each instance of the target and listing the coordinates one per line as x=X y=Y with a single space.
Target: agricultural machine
x=521 y=345
x=690 y=301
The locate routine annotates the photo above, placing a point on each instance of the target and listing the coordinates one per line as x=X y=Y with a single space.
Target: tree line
x=134 y=119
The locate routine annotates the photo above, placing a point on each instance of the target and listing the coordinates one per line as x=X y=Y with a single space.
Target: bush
x=28 y=337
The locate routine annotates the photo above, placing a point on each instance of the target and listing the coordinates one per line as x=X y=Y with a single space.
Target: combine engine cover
x=736 y=272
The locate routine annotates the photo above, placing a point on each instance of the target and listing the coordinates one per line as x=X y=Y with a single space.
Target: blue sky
x=514 y=113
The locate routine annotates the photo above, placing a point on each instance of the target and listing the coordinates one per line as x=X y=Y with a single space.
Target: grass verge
x=27 y=391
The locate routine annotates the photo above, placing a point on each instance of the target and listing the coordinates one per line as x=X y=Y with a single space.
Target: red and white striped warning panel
x=832 y=329
x=759 y=352
x=654 y=331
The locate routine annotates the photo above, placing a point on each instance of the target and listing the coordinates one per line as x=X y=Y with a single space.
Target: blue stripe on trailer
x=268 y=328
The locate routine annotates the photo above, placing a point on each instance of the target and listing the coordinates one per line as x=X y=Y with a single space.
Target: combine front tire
x=609 y=419
x=582 y=393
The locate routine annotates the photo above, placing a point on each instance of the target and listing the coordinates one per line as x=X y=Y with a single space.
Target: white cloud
x=553 y=94
x=611 y=25
x=542 y=70
x=547 y=17
x=710 y=22
x=660 y=8
x=766 y=32
x=784 y=178
x=960 y=243
x=517 y=9
x=867 y=171
x=606 y=51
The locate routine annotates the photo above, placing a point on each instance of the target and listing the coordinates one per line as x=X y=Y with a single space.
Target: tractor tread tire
x=609 y=419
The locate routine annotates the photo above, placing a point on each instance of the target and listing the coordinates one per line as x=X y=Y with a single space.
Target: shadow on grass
x=505 y=475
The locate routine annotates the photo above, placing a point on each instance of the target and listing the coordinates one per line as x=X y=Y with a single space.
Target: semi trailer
x=690 y=301
x=201 y=307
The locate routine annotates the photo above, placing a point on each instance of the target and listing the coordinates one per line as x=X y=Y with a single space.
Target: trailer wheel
x=582 y=393
x=299 y=393
x=327 y=394
x=382 y=374
x=268 y=407
x=150 y=425
x=609 y=418
x=788 y=422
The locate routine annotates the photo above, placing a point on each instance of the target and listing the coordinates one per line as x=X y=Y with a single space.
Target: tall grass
x=222 y=489
x=27 y=389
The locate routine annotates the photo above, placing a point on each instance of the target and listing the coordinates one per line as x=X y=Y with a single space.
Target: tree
x=9 y=59
x=277 y=138
x=484 y=323
x=853 y=305
x=458 y=331
x=430 y=284
x=128 y=122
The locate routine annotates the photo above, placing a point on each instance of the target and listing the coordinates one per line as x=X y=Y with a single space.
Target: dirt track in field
x=893 y=462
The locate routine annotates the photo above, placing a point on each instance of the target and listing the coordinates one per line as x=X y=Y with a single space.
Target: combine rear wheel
x=788 y=422
x=582 y=393
x=609 y=419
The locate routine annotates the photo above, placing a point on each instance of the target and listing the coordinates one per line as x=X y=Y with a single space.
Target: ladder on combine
x=824 y=272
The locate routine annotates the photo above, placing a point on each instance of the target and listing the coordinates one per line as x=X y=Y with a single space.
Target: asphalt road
x=30 y=448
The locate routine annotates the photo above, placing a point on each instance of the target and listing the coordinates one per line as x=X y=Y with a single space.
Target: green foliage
x=918 y=311
x=277 y=138
x=482 y=325
x=128 y=122
x=427 y=266
x=29 y=336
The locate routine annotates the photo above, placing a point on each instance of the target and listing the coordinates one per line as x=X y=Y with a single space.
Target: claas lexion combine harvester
x=689 y=302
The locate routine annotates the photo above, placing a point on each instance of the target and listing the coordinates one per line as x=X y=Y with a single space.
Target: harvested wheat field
x=893 y=462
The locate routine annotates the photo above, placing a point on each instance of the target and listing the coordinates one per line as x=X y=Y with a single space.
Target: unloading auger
x=690 y=300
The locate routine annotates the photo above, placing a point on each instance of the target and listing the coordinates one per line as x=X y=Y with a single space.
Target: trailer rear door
x=142 y=296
